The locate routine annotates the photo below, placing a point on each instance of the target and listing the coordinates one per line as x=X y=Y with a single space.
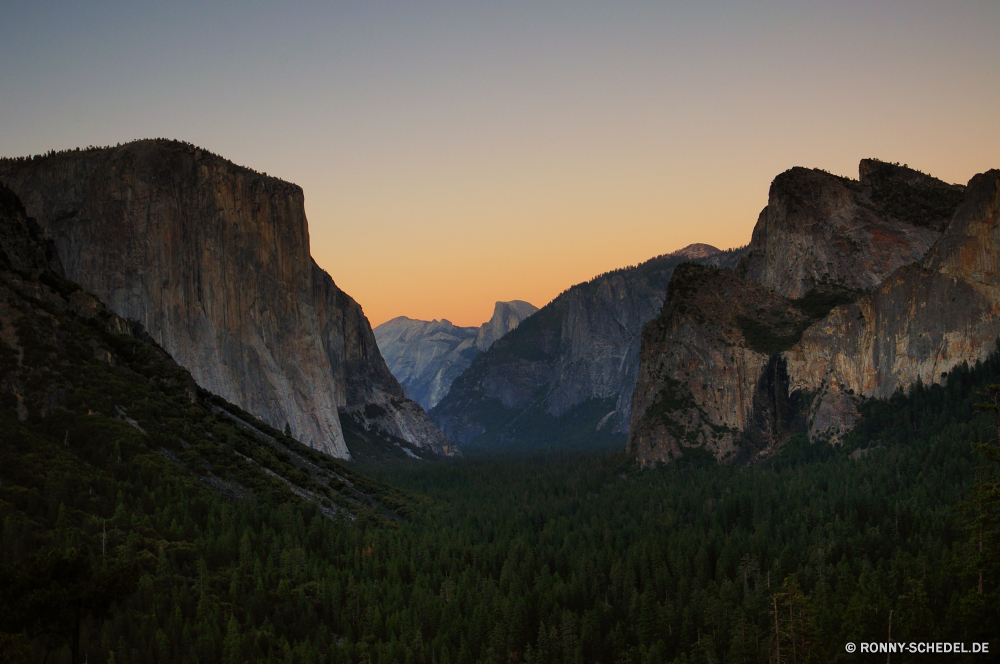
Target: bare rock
x=579 y=351
x=709 y=375
x=820 y=228
x=427 y=356
x=506 y=317
x=832 y=305
x=924 y=320
x=213 y=260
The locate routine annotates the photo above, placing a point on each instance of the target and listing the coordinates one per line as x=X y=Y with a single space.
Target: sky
x=457 y=154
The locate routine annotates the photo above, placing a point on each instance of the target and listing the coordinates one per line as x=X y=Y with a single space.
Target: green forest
x=145 y=520
x=568 y=559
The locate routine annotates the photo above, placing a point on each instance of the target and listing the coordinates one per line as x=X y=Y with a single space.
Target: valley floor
x=571 y=558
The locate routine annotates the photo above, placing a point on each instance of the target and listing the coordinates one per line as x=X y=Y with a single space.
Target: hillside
x=565 y=376
x=115 y=465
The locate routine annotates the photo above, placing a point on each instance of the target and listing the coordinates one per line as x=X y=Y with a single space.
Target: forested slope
x=171 y=527
x=129 y=493
x=585 y=559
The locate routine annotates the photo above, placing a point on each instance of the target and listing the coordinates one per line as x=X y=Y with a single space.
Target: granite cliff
x=427 y=356
x=506 y=316
x=80 y=386
x=23 y=246
x=708 y=368
x=737 y=378
x=565 y=375
x=821 y=228
x=924 y=320
x=213 y=260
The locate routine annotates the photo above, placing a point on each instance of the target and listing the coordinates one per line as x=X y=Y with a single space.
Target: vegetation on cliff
x=771 y=332
x=120 y=478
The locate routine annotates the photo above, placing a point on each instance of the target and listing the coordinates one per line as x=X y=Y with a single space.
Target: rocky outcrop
x=427 y=356
x=213 y=260
x=923 y=321
x=820 y=228
x=575 y=361
x=709 y=374
x=70 y=367
x=737 y=361
x=506 y=317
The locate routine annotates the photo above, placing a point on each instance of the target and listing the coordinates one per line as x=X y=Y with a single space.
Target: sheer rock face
x=506 y=316
x=213 y=260
x=427 y=356
x=23 y=245
x=821 y=241
x=700 y=382
x=33 y=287
x=924 y=320
x=819 y=228
x=581 y=347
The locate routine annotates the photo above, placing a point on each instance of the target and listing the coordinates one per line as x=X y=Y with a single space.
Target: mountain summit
x=849 y=289
x=213 y=260
x=565 y=376
x=506 y=316
x=426 y=356
x=696 y=250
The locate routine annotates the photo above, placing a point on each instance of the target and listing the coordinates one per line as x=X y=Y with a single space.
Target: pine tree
x=231 y=650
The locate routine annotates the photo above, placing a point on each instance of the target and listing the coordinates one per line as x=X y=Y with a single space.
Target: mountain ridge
x=575 y=358
x=427 y=356
x=818 y=227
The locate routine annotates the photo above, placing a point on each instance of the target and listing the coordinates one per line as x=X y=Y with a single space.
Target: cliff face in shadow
x=707 y=374
x=213 y=260
x=840 y=294
x=427 y=356
x=569 y=369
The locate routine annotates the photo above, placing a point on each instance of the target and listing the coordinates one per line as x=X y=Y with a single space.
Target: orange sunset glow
x=456 y=156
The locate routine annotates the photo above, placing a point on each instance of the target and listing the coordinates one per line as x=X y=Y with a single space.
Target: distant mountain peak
x=506 y=317
x=426 y=356
x=565 y=376
x=697 y=250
